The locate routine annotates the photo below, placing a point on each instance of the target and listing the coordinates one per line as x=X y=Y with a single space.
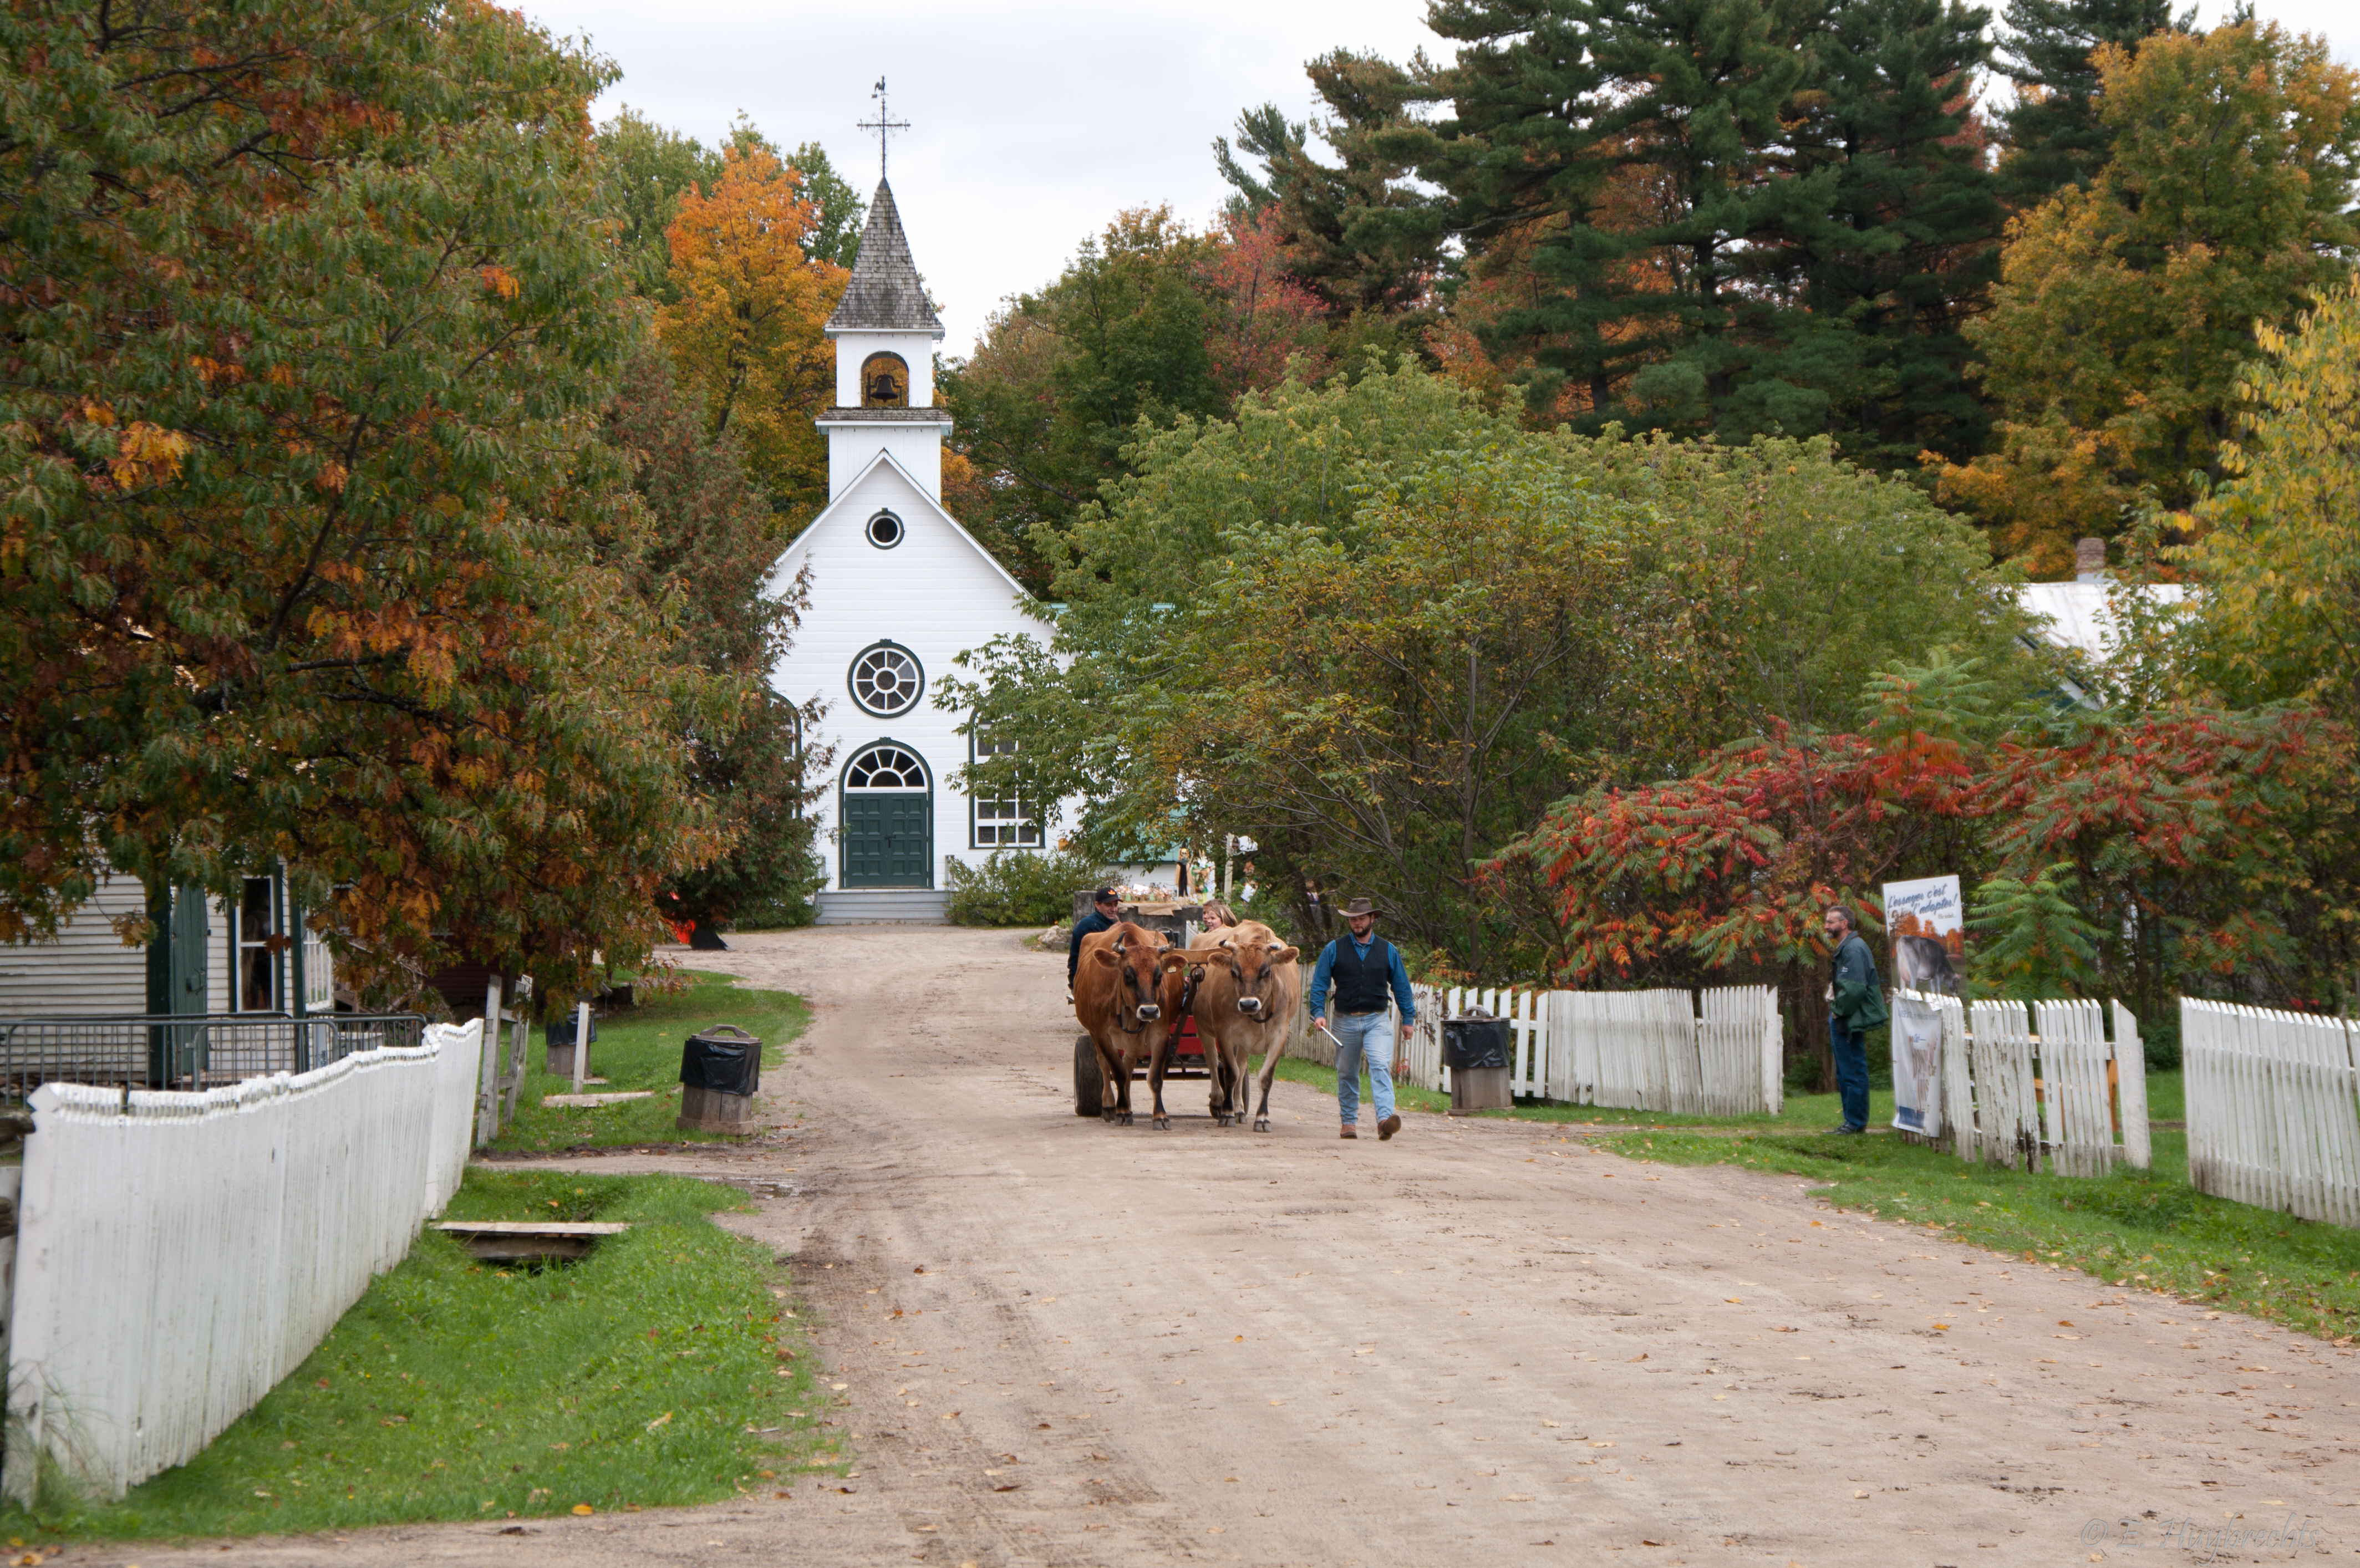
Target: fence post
x=487 y=1102
x=2130 y=1083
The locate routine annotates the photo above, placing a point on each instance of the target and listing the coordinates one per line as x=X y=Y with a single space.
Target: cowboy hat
x=1359 y=906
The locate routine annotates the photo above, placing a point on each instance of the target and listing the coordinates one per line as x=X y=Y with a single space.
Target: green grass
x=2149 y=1229
x=1801 y=1113
x=640 y=1049
x=459 y=1390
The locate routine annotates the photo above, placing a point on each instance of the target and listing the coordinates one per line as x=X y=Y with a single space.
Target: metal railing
x=187 y=1051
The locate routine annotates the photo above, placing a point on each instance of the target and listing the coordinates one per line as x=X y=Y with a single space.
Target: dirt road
x=1478 y=1343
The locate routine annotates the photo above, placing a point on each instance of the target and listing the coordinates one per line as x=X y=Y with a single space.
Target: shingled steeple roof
x=884 y=295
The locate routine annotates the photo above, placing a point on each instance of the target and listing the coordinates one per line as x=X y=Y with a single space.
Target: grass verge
x=1801 y=1113
x=2149 y=1229
x=640 y=1049
x=649 y=1373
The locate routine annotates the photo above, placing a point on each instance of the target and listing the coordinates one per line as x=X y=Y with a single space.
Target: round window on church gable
x=887 y=680
x=884 y=382
x=885 y=530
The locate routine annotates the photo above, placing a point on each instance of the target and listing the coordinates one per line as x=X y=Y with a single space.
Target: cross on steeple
x=883 y=125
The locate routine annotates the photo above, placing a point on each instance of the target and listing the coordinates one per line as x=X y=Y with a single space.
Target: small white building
x=210 y=955
x=898 y=590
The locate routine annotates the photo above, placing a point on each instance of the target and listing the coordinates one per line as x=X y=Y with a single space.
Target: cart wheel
x=1089 y=1078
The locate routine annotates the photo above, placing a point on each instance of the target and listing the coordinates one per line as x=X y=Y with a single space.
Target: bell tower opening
x=884 y=382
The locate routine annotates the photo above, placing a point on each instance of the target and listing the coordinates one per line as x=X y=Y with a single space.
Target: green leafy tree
x=305 y=551
x=1053 y=393
x=1748 y=586
x=706 y=564
x=2032 y=938
x=2280 y=558
x=646 y=169
x=2055 y=136
x=838 y=210
x=2126 y=310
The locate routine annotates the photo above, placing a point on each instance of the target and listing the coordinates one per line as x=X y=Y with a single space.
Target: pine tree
x=2054 y=130
x=1358 y=233
x=1910 y=248
x=1640 y=150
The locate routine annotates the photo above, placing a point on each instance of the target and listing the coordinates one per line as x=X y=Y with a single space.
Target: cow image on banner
x=1926 y=920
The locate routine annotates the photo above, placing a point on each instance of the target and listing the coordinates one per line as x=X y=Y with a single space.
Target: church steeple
x=885 y=333
x=885 y=295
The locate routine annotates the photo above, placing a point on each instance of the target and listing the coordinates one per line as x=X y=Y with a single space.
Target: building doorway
x=887 y=810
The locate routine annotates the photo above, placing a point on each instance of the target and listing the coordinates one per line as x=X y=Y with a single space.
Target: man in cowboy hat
x=1362 y=967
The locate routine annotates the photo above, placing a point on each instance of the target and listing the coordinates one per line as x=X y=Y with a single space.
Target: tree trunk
x=1811 y=1023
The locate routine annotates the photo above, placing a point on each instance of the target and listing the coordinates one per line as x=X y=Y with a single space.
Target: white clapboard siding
x=2273 y=1108
x=85 y=971
x=179 y=1254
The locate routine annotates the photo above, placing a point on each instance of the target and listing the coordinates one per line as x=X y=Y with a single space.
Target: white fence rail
x=1639 y=1050
x=179 y=1254
x=2273 y=1108
x=2038 y=1084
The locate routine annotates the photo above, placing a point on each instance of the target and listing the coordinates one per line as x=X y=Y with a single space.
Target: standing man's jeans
x=1852 y=1071
x=1369 y=1037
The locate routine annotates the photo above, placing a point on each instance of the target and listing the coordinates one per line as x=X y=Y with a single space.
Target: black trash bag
x=1470 y=1044
x=561 y=1030
x=725 y=1059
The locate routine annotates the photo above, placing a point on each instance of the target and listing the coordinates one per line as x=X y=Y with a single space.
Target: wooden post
x=487 y=1103
x=581 y=1042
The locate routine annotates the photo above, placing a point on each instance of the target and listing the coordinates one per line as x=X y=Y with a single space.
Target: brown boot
x=1388 y=1127
x=1350 y=1131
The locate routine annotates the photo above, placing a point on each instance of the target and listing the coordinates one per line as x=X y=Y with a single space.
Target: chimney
x=2090 y=560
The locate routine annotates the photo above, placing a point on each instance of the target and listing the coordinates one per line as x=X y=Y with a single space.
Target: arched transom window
x=886 y=765
x=886 y=680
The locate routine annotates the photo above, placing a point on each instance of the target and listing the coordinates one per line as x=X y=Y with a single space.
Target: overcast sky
x=1033 y=122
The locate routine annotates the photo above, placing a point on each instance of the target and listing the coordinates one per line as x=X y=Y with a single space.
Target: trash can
x=1476 y=1052
x=559 y=1059
x=720 y=1070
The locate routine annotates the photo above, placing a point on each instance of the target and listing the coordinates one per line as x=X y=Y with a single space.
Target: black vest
x=1361 y=984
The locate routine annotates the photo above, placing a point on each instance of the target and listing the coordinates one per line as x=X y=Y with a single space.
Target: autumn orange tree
x=744 y=326
x=2125 y=310
x=311 y=548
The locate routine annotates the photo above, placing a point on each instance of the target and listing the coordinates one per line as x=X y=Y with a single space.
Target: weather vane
x=883 y=125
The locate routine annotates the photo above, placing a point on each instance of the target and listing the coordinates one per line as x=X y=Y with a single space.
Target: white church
x=898 y=590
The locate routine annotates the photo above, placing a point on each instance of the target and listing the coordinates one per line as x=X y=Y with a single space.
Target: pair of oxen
x=1133 y=988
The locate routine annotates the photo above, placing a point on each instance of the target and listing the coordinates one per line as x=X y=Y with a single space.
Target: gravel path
x=1477 y=1344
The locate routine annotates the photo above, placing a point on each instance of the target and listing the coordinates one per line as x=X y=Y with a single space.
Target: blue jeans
x=1852 y=1071
x=1367 y=1038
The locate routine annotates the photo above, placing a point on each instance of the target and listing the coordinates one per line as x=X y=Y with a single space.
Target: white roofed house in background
x=2080 y=616
x=897 y=590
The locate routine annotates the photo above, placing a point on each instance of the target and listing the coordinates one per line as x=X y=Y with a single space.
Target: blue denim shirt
x=1322 y=972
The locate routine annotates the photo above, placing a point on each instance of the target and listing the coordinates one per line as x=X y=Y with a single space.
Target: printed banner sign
x=1926 y=922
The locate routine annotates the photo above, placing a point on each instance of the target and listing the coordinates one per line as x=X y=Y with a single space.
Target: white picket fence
x=179 y=1254
x=1639 y=1050
x=2028 y=1083
x=2273 y=1108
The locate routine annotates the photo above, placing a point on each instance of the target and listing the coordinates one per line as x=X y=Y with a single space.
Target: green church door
x=888 y=820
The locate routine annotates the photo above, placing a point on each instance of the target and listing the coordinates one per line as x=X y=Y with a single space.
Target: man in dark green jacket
x=1855 y=1005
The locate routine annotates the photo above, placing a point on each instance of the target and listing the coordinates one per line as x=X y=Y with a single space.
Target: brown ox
x=1115 y=996
x=1244 y=1002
